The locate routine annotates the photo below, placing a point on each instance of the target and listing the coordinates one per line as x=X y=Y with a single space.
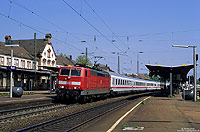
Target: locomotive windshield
x=65 y=72
x=70 y=72
x=75 y=72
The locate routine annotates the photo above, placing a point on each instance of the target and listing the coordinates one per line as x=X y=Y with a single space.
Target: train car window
x=116 y=81
x=75 y=72
x=86 y=73
x=92 y=72
x=65 y=72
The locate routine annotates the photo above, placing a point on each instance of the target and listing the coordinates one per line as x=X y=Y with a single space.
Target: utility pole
x=9 y=44
x=195 y=67
x=86 y=56
x=35 y=51
x=195 y=73
x=137 y=64
x=118 y=65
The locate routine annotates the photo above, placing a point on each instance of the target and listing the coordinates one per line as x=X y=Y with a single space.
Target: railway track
x=77 y=120
x=8 y=115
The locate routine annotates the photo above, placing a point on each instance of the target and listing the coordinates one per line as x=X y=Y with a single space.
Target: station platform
x=156 y=114
x=27 y=99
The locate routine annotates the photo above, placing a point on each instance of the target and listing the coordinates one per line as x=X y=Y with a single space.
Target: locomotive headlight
x=62 y=86
x=74 y=87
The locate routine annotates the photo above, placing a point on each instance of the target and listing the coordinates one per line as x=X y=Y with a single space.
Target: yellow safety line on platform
x=118 y=121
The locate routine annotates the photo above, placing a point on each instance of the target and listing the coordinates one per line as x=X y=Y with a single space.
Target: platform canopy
x=179 y=72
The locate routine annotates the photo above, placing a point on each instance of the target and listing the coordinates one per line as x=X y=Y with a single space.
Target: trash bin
x=17 y=91
x=188 y=94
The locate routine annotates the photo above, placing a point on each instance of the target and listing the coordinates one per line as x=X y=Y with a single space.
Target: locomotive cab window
x=75 y=72
x=65 y=72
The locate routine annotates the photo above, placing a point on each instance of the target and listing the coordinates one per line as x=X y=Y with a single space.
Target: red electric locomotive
x=80 y=83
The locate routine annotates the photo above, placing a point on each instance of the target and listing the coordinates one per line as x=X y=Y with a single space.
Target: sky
x=110 y=28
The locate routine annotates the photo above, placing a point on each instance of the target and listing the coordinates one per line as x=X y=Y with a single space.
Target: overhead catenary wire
x=44 y=19
x=105 y=24
x=117 y=36
x=32 y=28
x=91 y=24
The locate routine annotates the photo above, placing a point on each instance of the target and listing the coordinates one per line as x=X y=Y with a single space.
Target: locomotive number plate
x=76 y=83
x=62 y=82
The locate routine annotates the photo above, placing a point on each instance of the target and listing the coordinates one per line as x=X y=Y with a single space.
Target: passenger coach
x=125 y=84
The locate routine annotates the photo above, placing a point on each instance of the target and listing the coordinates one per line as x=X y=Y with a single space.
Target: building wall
x=48 y=56
x=18 y=62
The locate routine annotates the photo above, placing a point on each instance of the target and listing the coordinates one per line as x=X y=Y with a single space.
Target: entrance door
x=87 y=75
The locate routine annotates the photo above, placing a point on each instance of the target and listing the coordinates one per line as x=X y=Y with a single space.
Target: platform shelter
x=174 y=74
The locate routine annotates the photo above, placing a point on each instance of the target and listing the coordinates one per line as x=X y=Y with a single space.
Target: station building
x=35 y=62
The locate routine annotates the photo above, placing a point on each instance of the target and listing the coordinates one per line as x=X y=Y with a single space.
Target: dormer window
x=53 y=63
x=48 y=62
x=45 y=54
x=44 y=61
x=49 y=53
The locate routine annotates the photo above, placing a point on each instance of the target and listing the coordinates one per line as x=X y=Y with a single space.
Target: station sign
x=11 y=67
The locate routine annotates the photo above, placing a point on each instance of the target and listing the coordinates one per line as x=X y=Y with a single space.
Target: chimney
x=48 y=37
x=8 y=39
x=70 y=57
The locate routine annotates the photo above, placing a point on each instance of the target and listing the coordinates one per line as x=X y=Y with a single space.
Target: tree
x=63 y=55
x=154 y=78
x=82 y=60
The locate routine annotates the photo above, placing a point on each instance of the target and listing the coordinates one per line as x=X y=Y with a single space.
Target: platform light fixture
x=11 y=72
x=195 y=67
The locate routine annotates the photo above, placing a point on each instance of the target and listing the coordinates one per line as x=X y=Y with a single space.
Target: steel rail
x=8 y=114
x=75 y=114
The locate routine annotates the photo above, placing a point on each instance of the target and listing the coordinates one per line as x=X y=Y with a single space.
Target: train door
x=87 y=75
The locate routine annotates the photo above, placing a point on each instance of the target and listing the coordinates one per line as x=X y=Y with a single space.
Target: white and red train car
x=86 y=83
x=124 y=84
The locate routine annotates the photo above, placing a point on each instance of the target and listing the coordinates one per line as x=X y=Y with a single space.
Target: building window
x=52 y=55
x=48 y=62
x=49 y=53
x=8 y=61
x=22 y=63
x=44 y=61
x=53 y=63
x=1 y=60
x=29 y=64
x=16 y=62
x=45 y=54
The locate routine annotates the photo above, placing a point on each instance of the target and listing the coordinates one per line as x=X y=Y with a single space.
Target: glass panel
x=86 y=73
x=75 y=72
x=65 y=72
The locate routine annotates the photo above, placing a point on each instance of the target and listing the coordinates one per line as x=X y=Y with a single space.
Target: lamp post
x=11 y=73
x=195 y=67
x=138 y=61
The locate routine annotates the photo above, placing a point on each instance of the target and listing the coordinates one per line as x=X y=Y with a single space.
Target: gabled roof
x=29 y=45
x=64 y=61
x=17 y=51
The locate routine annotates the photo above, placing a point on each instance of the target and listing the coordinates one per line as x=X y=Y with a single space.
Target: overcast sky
x=125 y=27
